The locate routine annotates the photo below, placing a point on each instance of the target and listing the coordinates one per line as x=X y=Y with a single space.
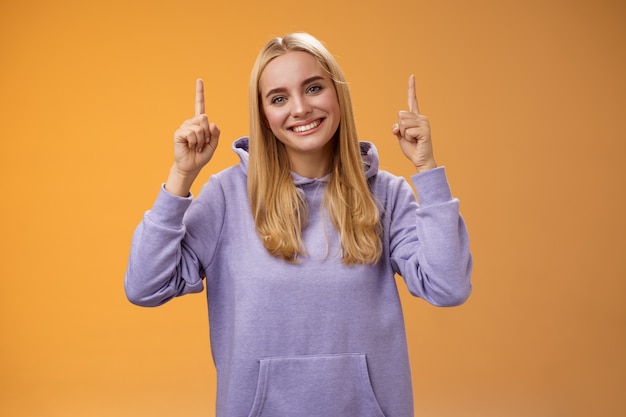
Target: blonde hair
x=278 y=208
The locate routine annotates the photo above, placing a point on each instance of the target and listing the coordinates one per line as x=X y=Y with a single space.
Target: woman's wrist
x=426 y=166
x=179 y=183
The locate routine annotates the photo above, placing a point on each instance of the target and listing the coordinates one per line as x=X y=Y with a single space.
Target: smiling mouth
x=306 y=128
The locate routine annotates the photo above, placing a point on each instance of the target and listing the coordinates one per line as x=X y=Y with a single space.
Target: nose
x=300 y=106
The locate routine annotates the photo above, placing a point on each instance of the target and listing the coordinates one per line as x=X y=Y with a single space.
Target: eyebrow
x=281 y=89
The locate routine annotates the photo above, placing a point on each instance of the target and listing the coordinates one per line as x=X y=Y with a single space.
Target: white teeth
x=300 y=129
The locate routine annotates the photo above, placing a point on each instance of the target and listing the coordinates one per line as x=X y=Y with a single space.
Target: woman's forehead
x=290 y=69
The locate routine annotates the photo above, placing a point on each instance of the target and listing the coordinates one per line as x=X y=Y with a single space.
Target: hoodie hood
x=369 y=154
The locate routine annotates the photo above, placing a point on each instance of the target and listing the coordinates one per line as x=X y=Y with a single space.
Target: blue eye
x=278 y=100
x=314 y=89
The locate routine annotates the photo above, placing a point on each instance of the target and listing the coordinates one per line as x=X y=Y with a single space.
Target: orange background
x=526 y=101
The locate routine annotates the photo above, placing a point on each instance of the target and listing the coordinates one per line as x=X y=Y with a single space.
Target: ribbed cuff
x=432 y=186
x=169 y=209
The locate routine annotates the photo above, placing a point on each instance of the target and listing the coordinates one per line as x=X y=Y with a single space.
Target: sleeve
x=164 y=260
x=429 y=242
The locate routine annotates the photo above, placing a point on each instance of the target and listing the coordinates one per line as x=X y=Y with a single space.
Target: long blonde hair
x=278 y=208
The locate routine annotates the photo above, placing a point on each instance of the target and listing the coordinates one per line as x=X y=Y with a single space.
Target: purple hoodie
x=314 y=339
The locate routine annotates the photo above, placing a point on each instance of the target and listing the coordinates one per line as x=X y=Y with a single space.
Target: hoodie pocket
x=315 y=386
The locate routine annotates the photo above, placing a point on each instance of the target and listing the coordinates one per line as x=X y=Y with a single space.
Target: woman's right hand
x=195 y=142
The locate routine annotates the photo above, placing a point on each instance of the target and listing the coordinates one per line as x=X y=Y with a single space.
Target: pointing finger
x=413 y=107
x=199 y=97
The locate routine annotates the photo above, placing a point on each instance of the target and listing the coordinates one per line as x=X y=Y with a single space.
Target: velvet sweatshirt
x=317 y=338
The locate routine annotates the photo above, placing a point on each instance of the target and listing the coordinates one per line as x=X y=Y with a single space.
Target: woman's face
x=301 y=108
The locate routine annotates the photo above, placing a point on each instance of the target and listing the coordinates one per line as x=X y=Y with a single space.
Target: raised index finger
x=199 y=97
x=413 y=107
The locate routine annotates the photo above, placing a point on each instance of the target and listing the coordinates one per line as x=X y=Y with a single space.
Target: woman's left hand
x=413 y=133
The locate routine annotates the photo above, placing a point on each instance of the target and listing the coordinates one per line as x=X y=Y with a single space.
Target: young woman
x=299 y=244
